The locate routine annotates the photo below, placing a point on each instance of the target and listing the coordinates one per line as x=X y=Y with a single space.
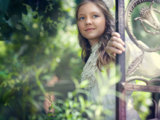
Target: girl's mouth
x=89 y=29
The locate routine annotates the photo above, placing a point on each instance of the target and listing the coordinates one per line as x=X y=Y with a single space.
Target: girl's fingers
x=119 y=40
x=113 y=51
x=118 y=46
x=116 y=34
x=115 y=45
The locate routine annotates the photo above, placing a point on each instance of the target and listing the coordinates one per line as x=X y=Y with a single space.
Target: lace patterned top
x=90 y=67
x=88 y=73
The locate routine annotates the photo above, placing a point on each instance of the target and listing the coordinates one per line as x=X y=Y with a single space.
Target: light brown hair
x=103 y=57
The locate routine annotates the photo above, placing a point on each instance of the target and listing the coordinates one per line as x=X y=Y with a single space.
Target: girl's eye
x=81 y=18
x=95 y=16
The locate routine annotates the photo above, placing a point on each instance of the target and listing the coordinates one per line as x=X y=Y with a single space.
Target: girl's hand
x=115 y=45
x=49 y=98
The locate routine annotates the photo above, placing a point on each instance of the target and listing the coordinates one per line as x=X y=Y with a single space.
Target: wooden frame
x=120 y=60
x=122 y=87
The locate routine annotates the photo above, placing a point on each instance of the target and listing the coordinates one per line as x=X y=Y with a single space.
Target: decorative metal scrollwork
x=147 y=15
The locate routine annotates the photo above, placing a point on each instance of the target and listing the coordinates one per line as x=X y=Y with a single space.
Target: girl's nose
x=88 y=21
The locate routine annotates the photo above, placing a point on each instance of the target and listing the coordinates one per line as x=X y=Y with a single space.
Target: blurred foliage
x=38 y=42
x=76 y=107
x=142 y=105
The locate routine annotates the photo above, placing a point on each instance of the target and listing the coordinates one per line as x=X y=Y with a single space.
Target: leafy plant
x=77 y=107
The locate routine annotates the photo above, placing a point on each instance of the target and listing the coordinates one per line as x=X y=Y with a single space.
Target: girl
x=99 y=46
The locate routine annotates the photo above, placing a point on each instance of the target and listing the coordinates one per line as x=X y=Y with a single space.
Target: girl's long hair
x=103 y=57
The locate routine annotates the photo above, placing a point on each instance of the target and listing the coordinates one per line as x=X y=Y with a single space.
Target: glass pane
x=142 y=21
x=143 y=45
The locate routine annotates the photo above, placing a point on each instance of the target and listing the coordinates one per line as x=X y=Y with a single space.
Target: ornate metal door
x=141 y=20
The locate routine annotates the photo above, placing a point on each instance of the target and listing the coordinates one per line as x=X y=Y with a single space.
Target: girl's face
x=91 y=22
